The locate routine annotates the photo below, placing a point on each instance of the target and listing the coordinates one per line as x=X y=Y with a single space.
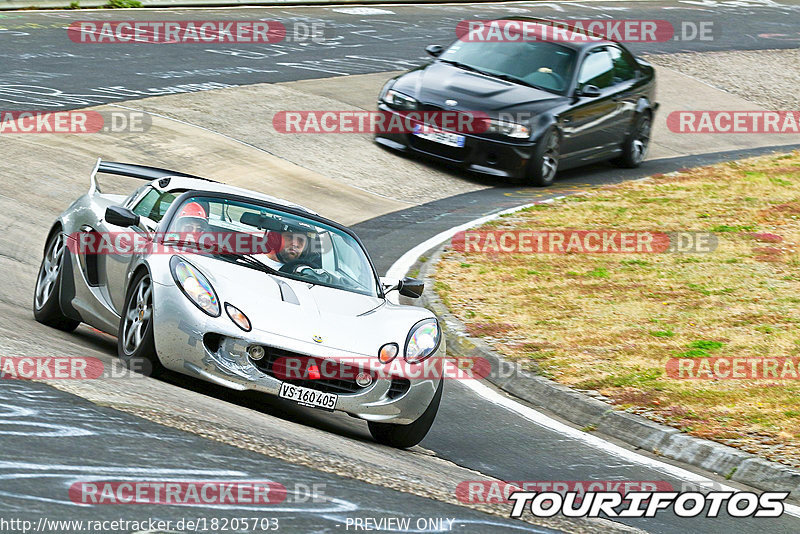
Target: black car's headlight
x=509 y=129
x=399 y=100
x=422 y=340
x=195 y=286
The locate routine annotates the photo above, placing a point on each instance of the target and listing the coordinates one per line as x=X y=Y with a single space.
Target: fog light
x=363 y=379
x=256 y=352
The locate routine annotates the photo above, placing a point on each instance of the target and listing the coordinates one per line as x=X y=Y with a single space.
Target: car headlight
x=239 y=318
x=195 y=286
x=509 y=129
x=423 y=340
x=399 y=100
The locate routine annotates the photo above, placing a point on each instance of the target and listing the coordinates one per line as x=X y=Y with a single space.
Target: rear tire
x=136 y=345
x=543 y=165
x=47 y=294
x=634 y=149
x=404 y=436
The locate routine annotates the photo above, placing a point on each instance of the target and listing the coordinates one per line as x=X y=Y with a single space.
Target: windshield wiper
x=514 y=79
x=255 y=263
x=506 y=77
x=246 y=258
x=464 y=66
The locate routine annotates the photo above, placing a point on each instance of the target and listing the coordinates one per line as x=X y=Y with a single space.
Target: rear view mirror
x=434 y=50
x=262 y=222
x=119 y=216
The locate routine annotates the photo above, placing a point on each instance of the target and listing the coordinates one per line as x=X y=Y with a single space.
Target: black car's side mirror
x=119 y=216
x=588 y=90
x=434 y=50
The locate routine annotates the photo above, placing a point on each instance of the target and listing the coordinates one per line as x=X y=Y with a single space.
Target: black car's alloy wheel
x=543 y=165
x=635 y=147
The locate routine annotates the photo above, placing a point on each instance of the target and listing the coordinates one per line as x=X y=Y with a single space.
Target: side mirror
x=119 y=216
x=588 y=90
x=408 y=287
x=434 y=50
x=411 y=287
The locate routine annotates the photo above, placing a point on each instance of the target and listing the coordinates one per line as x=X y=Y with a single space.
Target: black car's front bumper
x=480 y=154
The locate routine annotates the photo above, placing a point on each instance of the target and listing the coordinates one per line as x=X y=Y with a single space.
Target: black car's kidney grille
x=337 y=375
x=422 y=106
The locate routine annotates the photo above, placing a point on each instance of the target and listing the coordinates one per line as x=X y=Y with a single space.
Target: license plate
x=438 y=136
x=308 y=397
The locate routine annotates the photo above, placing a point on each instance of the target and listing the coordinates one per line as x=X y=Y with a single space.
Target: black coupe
x=551 y=104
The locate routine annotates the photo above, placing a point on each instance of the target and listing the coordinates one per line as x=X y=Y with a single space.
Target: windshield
x=276 y=242
x=544 y=65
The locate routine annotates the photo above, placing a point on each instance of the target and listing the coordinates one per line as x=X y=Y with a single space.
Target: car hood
x=436 y=82
x=343 y=320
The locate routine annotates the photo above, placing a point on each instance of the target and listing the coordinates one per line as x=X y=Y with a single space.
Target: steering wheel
x=306 y=270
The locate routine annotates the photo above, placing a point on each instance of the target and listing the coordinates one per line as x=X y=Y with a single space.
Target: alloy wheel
x=137 y=315
x=48 y=274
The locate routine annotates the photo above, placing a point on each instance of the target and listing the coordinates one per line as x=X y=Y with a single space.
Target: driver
x=293 y=245
x=192 y=221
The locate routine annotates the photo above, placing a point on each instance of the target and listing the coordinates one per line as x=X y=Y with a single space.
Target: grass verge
x=611 y=322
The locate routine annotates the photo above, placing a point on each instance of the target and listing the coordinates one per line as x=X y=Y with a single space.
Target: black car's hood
x=436 y=82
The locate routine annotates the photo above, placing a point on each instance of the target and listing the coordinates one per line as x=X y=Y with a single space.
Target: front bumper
x=480 y=154
x=180 y=331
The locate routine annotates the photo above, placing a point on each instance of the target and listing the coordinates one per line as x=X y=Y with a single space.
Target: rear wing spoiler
x=142 y=172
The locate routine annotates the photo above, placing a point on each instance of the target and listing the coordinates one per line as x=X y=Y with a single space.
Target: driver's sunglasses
x=192 y=228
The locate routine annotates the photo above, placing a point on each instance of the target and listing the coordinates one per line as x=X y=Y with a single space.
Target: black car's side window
x=597 y=69
x=624 y=69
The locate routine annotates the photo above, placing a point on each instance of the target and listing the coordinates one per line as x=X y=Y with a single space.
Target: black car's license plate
x=308 y=397
x=438 y=136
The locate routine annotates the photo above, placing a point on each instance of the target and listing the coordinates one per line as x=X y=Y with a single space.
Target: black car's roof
x=576 y=45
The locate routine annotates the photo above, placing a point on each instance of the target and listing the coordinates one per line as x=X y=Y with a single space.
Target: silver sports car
x=247 y=291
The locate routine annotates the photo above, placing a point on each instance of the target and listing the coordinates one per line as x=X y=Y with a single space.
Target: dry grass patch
x=610 y=322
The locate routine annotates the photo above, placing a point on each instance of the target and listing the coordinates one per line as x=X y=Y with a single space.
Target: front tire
x=136 y=344
x=634 y=149
x=47 y=295
x=543 y=165
x=404 y=436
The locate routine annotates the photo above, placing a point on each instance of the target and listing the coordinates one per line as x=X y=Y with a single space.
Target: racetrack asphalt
x=501 y=444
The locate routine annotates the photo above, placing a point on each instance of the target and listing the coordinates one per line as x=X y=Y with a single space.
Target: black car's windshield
x=272 y=241
x=540 y=64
